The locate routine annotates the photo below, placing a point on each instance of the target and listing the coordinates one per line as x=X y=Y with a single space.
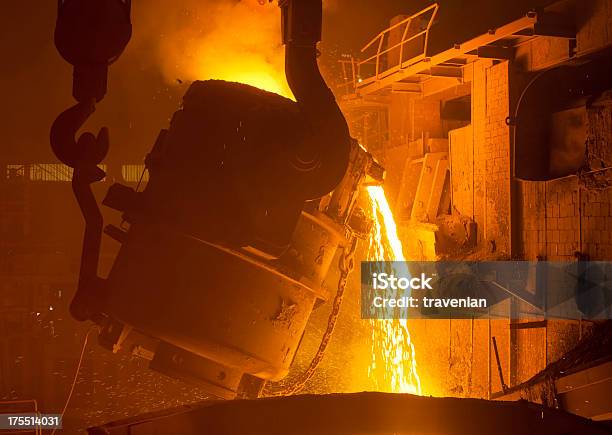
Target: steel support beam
x=552 y=24
x=495 y=52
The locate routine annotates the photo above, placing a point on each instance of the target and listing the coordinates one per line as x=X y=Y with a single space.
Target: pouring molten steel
x=393 y=367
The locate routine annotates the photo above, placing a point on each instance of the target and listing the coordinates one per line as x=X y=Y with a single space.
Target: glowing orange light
x=267 y=81
x=233 y=41
x=393 y=366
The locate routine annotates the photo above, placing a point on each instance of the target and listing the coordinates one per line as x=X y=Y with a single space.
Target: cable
x=76 y=374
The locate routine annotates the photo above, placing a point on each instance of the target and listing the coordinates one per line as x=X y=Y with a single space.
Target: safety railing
x=50 y=172
x=350 y=75
x=61 y=172
x=39 y=172
x=135 y=173
x=395 y=48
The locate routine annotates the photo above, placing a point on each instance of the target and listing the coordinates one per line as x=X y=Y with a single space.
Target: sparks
x=393 y=366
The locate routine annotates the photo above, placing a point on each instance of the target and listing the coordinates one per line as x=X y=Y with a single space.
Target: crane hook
x=85 y=153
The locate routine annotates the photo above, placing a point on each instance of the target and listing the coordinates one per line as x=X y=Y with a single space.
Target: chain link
x=346 y=264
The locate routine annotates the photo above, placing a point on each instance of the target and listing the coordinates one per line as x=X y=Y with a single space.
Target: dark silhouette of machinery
x=250 y=198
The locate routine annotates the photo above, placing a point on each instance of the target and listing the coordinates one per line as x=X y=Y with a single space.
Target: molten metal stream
x=393 y=367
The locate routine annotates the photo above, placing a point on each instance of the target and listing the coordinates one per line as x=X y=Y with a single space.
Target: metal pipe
x=325 y=152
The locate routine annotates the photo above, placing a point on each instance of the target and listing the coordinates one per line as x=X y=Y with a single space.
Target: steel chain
x=346 y=265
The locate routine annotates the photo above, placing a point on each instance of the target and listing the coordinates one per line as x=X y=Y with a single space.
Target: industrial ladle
x=251 y=198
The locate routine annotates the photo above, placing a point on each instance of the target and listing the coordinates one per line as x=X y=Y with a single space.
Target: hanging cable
x=76 y=373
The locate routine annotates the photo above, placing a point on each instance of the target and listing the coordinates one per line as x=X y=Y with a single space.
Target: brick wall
x=558 y=218
x=596 y=223
x=490 y=107
x=561 y=217
x=599 y=132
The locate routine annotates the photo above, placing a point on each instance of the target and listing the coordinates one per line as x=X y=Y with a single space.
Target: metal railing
x=59 y=172
x=50 y=172
x=40 y=172
x=383 y=55
x=350 y=75
x=135 y=173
